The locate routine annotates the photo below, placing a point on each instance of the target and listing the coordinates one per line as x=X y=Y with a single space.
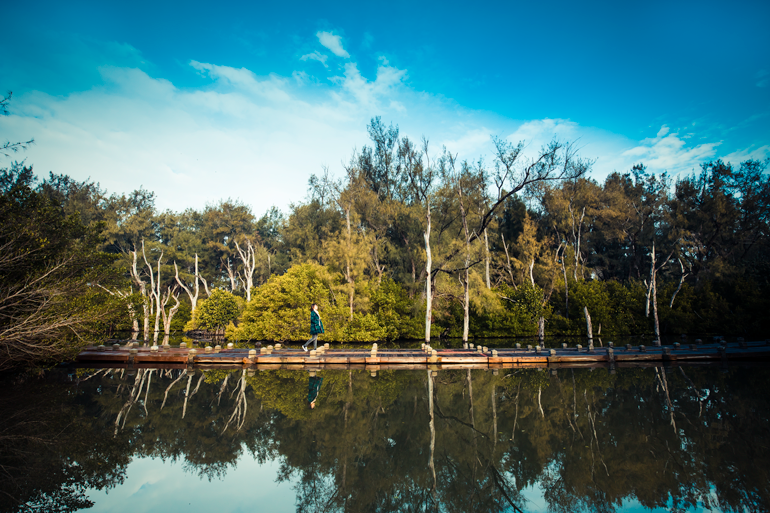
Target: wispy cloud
x=751 y=153
x=670 y=152
x=259 y=137
x=333 y=42
x=316 y=56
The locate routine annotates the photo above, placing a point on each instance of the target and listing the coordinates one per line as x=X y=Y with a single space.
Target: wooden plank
x=403 y=360
x=468 y=365
x=336 y=360
x=446 y=360
x=160 y=358
x=293 y=359
x=229 y=359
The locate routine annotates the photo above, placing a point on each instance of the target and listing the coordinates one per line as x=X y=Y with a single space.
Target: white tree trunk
x=651 y=282
x=531 y=273
x=249 y=260
x=231 y=274
x=142 y=285
x=428 y=278
x=155 y=287
x=348 y=253
x=193 y=297
x=589 y=328
x=168 y=317
x=681 y=282
x=655 y=310
x=466 y=300
x=509 y=266
x=486 y=257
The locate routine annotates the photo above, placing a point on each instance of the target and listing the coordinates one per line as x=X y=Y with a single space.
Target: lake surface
x=641 y=439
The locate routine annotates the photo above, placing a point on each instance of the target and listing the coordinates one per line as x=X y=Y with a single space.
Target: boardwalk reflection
x=452 y=440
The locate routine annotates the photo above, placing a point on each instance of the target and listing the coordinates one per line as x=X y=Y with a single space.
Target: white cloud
x=258 y=138
x=751 y=153
x=670 y=152
x=333 y=42
x=316 y=56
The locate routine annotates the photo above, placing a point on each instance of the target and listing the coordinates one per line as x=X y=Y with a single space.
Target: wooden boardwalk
x=132 y=354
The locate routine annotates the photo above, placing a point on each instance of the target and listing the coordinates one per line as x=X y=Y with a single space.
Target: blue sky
x=204 y=101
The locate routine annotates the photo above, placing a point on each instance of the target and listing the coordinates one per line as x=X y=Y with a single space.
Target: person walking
x=316 y=327
x=313 y=387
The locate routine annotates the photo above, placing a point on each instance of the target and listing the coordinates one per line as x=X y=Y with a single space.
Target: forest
x=675 y=438
x=407 y=241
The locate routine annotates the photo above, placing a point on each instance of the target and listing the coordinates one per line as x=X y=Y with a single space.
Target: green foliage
x=280 y=309
x=617 y=308
x=216 y=312
x=49 y=261
x=395 y=311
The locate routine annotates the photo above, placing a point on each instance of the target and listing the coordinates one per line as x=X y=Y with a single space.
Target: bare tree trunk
x=655 y=312
x=652 y=281
x=432 y=425
x=466 y=272
x=486 y=257
x=466 y=301
x=541 y=329
x=142 y=285
x=231 y=274
x=168 y=317
x=193 y=297
x=566 y=283
x=508 y=258
x=348 y=252
x=576 y=235
x=187 y=395
x=155 y=285
x=249 y=260
x=589 y=328
x=681 y=282
x=428 y=277
x=165 y=395
x=539 y=403
x=494 y=420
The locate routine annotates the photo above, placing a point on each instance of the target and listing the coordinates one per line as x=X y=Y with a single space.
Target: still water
x=641 y=439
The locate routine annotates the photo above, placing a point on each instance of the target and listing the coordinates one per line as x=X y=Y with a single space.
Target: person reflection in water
x=313 y=386
x=316 y=327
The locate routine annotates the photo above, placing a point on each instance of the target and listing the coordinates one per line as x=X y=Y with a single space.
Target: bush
x=216 y=312
x=279 y=310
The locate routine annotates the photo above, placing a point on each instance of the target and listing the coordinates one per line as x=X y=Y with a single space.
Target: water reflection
x=679 y=438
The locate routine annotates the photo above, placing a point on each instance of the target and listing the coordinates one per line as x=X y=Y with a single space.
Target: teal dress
x=316 y=325
x=313 y=386
x=316 y=328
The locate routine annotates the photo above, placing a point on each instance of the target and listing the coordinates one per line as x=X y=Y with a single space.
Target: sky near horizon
x=205 y=101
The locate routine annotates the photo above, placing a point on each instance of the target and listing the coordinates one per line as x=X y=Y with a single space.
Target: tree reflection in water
x=449 y=440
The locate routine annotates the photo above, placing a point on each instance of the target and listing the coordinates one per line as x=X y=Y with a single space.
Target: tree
x=11 y=147
x=216 y=312
x=48 y=263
